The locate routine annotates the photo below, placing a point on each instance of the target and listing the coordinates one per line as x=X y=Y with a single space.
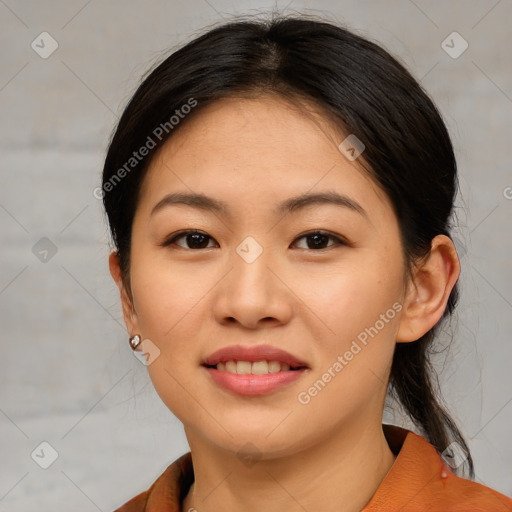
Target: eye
x=196 y=239
x=319 y=238
x=199 y=240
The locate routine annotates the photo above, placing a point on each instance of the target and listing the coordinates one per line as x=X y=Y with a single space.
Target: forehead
x=267 y=125
x=258 y=150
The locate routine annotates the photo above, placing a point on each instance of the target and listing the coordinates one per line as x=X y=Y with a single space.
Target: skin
x=253 y=153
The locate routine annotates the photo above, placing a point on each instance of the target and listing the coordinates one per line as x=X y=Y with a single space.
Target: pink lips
x=253 y=385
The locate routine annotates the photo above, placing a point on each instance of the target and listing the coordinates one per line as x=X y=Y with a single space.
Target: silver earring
x=135 y=341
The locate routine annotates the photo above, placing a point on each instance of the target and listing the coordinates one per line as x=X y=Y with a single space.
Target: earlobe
x=129 y=315
x=429 y=290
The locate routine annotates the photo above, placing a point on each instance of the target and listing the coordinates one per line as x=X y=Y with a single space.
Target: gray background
x=67 y=375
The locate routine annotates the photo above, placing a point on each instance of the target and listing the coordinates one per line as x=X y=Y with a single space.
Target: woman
x=279 y=196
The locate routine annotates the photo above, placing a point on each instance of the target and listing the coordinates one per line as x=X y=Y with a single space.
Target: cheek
x=352 y=294
x=360 y=304
x=361 y=309
x=166 y=296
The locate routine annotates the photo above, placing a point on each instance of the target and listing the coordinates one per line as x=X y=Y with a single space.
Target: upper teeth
x=256 y=368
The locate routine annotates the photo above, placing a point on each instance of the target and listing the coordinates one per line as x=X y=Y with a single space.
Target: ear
x=129 y=314
x=429 y=289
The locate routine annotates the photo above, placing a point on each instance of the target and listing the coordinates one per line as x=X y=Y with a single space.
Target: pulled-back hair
x=361 y=88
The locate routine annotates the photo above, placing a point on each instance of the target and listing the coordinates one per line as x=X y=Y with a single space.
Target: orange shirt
x=418 y=481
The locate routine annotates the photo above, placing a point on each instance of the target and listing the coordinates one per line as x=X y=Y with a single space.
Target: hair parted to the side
x=358 y=85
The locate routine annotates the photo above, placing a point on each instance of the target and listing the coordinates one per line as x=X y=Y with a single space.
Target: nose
x=254 y=293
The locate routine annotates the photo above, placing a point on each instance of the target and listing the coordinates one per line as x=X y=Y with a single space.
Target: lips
x=253 y=354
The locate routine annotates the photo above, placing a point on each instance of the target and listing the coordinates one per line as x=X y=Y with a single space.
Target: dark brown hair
x=371 y=95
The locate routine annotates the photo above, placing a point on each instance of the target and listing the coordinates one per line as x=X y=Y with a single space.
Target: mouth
x=253 y=359
x=253 y=370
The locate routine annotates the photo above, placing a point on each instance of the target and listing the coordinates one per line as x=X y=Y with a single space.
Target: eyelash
x=181 y=234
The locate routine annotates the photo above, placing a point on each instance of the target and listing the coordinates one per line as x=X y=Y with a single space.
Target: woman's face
x=255 y=275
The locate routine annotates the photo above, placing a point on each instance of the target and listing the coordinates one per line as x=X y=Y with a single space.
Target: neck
x=341 y=473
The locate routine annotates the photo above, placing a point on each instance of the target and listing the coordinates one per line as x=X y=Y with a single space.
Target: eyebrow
x=292 y=204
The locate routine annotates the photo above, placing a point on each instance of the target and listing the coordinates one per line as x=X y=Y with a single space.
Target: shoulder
x=136 y=504
x=420 y=480
x=462 y=494
x=167 y=490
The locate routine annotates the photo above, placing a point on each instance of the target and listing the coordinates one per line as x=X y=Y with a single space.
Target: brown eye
x=194 y=239
x=318 y=239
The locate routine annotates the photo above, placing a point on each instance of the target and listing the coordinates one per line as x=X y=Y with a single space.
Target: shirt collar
x=416 y=480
